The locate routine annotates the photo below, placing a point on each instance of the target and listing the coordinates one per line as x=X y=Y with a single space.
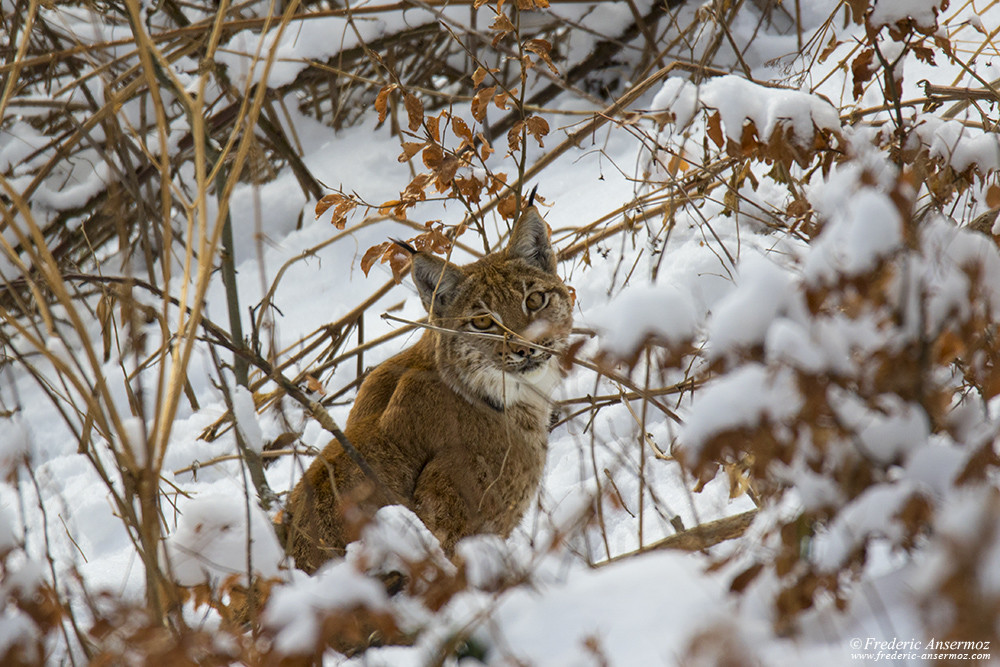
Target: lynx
x=456 y=426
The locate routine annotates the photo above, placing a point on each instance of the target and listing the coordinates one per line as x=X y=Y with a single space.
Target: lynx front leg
x=446 y=509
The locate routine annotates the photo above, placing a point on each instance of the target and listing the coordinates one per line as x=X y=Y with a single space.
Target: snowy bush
x=779 y=221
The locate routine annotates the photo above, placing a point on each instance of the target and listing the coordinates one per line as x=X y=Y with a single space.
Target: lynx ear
x=529 y=240
x=436 y=279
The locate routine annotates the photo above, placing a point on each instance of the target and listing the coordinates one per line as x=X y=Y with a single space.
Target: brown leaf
x=743 y=579
x=507 y=207
x=414 y=109
x=542 y=49
x=858 y=9
x=381 y=101
x=461 y=129
x=433 y=129
x=398 y=260
x=339 y=219
x=415 y=190
x=923 y=53
x=411 y=148
x=479 y=76
x=387 y=207
x=501 y=99
x=714 y=129
x=326 y=202
x=749 y=141
x=433 y=155
x=538 y=127
x=514 y=137
x=481 y=101
x=993 y=196
x=485 y=149
x=830 y=47
x=470 y=187
x=373 y=254
x=863 y=71
x=314 y=385
x=503 y=24
x=445 y=172
x=497 y=183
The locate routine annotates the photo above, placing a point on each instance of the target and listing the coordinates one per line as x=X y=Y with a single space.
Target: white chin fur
x=532 y=388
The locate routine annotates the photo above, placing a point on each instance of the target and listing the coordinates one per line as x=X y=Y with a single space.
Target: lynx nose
x=520 y=349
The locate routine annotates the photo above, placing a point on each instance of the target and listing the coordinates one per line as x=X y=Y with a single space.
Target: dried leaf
x=485 y=149
x=538 y=127
x=382 y=100
x=461 y=129
x=411 y=148
x=514 y=137
x=858 y=9
x=714 y=129
x=993 y=196
x=398 y=260
x=481 y=101
x=326 y=202
x=830 y=47
x=863 y=71
x=501 y=99
x=542 y=49
x=314 y=385
x=480 y=75
x=414 y=110
x=433 y=129
x=503 y=24
x=433 y=155
x=507 y=207
x=339 y=219
x=373 y=254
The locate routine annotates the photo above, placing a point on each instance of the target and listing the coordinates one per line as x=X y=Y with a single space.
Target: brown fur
x=456 y=425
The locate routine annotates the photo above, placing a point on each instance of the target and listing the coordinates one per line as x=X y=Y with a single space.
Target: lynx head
x=494 y=315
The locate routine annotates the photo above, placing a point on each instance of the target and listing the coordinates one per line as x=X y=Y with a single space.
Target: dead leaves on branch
x=433 y=241
x=783 y=145
x=341 y=204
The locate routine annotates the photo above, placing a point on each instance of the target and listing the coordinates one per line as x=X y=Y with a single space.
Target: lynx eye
x=536 y=300
x=482 y=322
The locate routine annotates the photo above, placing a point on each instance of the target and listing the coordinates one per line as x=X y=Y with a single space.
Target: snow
x=210 y=542
x=245 y=415
x=719 y=282
x=665 y=312
x=889 y=12
x=768 y=108
x=552 y=626
x=866 y=230
x=741 y=400
x=295 y=610
x=743 y=317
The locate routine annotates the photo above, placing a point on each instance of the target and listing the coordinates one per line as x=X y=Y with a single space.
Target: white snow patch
x=245 y=414
x=642 y=311
x=210 y=542
x=741 y=399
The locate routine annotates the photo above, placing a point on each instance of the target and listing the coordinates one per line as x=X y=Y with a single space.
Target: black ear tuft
x=436 y=279
x=531 y=197
x=529 y=240
x=405 y=246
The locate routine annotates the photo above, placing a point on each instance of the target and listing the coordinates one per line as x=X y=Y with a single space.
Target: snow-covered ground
x=718 y=279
